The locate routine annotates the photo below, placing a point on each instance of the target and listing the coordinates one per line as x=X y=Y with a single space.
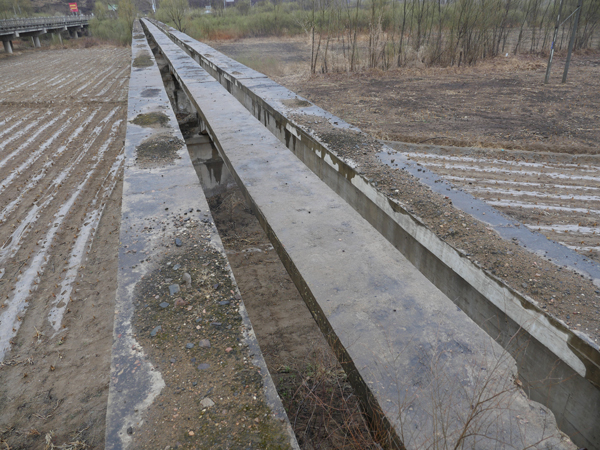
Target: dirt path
x=61 y=136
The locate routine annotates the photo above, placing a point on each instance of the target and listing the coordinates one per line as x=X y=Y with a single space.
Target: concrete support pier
x=8 y=46
x=36 y=42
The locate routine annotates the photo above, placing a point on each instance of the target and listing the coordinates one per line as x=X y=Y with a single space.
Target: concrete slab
x=427 y=374
x=541 y=344
x=154 y=193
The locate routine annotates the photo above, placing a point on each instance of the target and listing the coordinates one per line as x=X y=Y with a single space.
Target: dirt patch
x=195 y=338
x=312 y=385
x=153 y=119
x=143 y=60
x=296 y=103
x=147 y=93
x=158 y=151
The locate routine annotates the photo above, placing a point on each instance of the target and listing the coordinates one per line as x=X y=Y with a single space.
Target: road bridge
x=35 y=26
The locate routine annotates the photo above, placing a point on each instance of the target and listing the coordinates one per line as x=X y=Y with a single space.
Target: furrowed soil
x=62 y=116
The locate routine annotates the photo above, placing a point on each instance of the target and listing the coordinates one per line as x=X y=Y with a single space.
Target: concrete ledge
x=560 y=368
x=161 y=192
x=422 y=367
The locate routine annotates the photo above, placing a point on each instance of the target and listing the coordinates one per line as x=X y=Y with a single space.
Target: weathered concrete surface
x=147 y=194
x=428 y=375
x=559 y=367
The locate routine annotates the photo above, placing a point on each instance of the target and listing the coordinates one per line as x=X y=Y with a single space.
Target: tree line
x=350 y=35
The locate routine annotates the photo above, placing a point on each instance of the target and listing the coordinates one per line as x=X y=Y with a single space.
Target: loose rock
x=207 y=402
x=187 y=279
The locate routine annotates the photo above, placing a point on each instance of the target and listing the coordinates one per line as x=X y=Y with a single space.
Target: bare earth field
x=61 y=137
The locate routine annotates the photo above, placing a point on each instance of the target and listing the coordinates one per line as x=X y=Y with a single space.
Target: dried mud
x=158 y=151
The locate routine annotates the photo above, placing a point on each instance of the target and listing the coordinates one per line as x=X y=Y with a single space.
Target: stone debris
x=187 y=279
x=207 y=402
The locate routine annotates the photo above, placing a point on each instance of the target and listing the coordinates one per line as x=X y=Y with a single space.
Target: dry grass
x=321 y=405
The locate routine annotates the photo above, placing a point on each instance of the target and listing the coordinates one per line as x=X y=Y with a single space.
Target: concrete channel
x=558 y=367
x=156 y=190
x=426 y=372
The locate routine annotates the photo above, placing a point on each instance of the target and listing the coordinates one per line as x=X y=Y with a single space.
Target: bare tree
x=127 y=12
x=174 y=11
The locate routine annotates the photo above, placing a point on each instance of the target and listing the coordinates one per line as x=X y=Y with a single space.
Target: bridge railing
x=16 y=24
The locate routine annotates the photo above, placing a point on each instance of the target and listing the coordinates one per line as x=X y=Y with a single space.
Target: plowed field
x=62 y=126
